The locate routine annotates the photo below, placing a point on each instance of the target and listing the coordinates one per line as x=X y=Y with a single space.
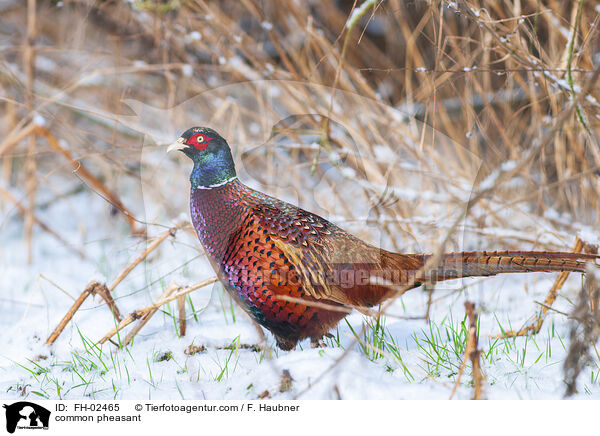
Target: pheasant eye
x=198 y=141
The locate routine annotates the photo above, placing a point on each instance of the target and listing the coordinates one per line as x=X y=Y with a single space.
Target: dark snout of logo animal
x=26 y=415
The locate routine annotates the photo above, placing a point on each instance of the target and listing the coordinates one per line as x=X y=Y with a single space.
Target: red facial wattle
x=199 y=141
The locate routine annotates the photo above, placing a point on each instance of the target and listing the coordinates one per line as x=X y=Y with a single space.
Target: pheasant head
x=213 y=162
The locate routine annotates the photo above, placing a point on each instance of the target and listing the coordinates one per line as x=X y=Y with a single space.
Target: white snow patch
x=267 y=26
x=39 y=120
x=187 y=70
x=195 y=36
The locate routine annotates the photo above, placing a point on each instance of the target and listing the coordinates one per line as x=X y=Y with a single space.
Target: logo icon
x=26 y=415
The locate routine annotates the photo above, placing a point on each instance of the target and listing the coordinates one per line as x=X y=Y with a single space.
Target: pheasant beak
x=177 y=145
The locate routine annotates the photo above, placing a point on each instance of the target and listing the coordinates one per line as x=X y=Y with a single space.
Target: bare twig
x=29 y=59
x=181 y=310
x=89 y=290
x=471 y=353
x=103 y=291
x=13 y=139
x=347 y=308
x=474 y=353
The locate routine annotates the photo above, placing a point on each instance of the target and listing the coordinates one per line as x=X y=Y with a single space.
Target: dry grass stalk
x=30 y=166
x=141 y=312
x=172 y=287
x=13 y=139
x=429 y=288
x=475 y=353
x=90 y=178
x=182 y=319
x=7 y=162
x=472 y=353
x=103 y=291
x=89 y=290
x=536 y=325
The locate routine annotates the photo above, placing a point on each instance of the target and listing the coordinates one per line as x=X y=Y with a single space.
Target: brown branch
x=7 y=161
x=30 y=163
x=182 y=320
x=475 y=353
x=17 y=137
x=472 y=353
x=102 y=290
x=90 y=289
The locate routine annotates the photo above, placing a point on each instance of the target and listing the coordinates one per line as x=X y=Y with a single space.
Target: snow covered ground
x=421 y=360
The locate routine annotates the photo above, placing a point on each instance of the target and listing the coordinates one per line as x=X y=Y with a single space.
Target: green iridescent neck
x=213 y=170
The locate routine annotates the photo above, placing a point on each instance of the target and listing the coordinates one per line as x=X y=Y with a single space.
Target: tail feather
x=487 y=263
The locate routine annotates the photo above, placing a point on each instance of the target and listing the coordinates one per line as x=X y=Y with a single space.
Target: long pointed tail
x=488 y=263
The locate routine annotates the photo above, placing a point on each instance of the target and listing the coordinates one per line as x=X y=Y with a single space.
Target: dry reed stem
x=475 y=353
x=140 y=312
x=536 y=325
x=182 y=319
x=7 y=161
x=89 y=290
x=471 y=353
x=172 y=287
x=16 y=137
x=30 y=164
x=90 y=178
x=103 y=291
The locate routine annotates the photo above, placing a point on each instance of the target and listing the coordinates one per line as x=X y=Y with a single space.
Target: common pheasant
x=264 y=249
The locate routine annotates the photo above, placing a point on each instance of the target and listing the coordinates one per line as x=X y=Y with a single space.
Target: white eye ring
x=200 y=139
